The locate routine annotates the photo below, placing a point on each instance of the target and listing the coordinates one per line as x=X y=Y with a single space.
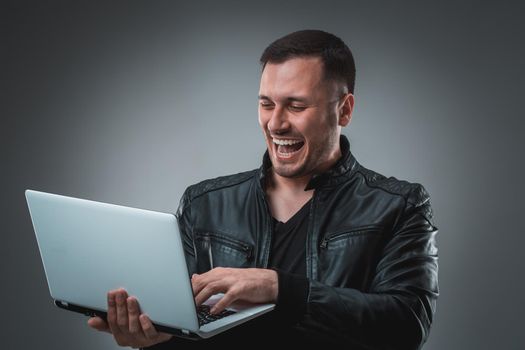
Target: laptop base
x=103 y=314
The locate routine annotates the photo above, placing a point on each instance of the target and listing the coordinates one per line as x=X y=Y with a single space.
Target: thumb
x=99 y=324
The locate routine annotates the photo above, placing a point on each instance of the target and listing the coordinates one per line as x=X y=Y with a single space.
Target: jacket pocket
x=216 y=249
x=348 y=258
x=338 y=239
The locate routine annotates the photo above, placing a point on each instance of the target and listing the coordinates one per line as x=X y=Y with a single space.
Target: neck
x=288 y=184
x=286 y=195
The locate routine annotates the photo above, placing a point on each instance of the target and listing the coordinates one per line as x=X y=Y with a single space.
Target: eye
x=296 y=108
x=266 y=104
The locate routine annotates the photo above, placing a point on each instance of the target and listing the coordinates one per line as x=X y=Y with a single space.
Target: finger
x=224 y=302
x=208 y=291
x=162 y=337
x=120 y=338
x=112 y=314
x=147 y=327
x=201 y=281
x=133 y=314
x=196 y=284
x=99 y=324
x=122 y=311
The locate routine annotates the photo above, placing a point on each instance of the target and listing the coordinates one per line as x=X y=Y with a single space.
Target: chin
x=290 y=171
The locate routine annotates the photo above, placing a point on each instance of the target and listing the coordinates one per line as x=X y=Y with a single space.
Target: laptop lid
x=89 y=248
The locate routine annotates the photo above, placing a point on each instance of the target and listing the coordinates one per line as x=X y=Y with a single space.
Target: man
x=347 y=255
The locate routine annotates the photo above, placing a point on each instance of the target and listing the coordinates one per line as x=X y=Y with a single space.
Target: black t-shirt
x=288 y=252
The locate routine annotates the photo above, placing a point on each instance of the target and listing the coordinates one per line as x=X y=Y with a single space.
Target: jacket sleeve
x=396 y=312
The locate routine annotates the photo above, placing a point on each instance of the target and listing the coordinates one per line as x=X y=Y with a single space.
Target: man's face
x=299 y=113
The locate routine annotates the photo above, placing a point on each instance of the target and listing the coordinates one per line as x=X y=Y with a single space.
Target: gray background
x=130 y=102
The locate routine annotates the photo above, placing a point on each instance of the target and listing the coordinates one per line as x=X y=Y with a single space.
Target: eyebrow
x=289 y=99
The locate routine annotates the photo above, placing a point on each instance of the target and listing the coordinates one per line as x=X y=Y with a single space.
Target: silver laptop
x=89 y=248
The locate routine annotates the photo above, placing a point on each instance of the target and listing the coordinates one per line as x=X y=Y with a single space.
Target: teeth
x=285 y=142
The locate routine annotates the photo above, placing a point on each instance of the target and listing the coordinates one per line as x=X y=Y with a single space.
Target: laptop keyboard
x=204 y=316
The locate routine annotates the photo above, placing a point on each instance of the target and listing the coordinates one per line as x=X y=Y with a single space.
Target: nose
x=278 y=123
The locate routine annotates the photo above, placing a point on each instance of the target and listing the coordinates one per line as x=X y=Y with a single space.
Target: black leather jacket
x=371 y=256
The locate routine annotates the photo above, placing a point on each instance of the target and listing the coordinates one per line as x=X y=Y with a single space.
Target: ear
x=345 y=112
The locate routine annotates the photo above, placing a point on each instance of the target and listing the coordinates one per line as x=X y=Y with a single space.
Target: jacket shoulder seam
x=382 y=188
x=197 y=190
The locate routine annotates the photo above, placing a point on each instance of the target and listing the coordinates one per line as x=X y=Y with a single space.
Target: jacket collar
x=345 y=165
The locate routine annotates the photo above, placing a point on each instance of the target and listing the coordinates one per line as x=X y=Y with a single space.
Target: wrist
x=274 y=283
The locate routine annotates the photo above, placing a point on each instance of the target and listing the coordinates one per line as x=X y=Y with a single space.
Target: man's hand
x=128 y=326
x=251 y=285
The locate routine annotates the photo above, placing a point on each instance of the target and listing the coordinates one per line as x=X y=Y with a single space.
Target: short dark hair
x=337 y=58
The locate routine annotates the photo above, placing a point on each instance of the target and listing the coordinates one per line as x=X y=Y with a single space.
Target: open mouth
x=287 y=148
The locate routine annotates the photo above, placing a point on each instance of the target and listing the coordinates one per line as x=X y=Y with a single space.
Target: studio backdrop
x=130 y=102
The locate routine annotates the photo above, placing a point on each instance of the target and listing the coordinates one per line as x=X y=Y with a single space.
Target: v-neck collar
x=295 y=217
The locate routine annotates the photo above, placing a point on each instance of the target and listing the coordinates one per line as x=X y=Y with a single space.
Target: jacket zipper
x=269 y=226
x=341 y=235
x=229 y=242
